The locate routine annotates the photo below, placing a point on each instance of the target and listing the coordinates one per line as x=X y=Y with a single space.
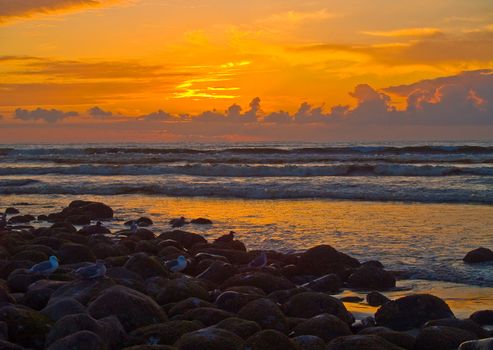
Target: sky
x=222 y=70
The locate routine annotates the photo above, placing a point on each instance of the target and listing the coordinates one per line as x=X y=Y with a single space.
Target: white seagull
x=177 y=265
x=92 y=271
x=46 y=267
x=259 y=262
x=134 y=227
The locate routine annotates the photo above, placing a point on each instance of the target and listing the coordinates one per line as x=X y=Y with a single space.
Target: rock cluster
x=216 y=303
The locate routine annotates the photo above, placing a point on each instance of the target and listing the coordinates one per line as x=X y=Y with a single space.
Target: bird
x=178 y=222
x=226 y=238
x=259 y=262
x=3 y=220
x=46 y=267
x=134 y=227
x=92 y=271
x=177 y=265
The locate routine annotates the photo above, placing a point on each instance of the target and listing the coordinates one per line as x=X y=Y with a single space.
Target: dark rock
x=5 y=296
x=32 y=255
x=82 y=290
x=188 y=304
x=218 y=272
x=376 y=299
x=351 y=299
x=483 y=317
x=63 y=307
x=401 y=339
x=79 y=341
x=442 y=338
x=283 y=296
x=234 y=256
x=329 y=283
x=25 y=327
x=78 y=219
x=412 y=311
x=369 y=277
x=146 y=266
x=361 y=342
x=478 y=255
x=324 y=326
x=37 y=299
x=233 y=301
x=269 y=340
x=165 y=333
x=42 y=217
x=11 y=211
x=21 y=219
x=467 y=325
x=266 y=313
x=178 y=289
x=19 y=280
x=210 y=338
x=201 y=221
x=94 y=210
x=483 y=344
x=5 y=345
x=186 y=239
x=90 y=230
x=240 y=327
x=309 y=342
x=208 y=316
x=71 y=253
x=132 y=308
x=72 y=324
x=315 y=260
x=311 y=304
x=267 y=282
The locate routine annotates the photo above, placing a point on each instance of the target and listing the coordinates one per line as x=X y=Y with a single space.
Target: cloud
x=98 y=113
x=405 y=32
x=48 y=116
x=159 y=116
x=14 y=9
x=297 y=17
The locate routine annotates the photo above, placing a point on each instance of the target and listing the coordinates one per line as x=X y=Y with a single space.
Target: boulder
x=71 y=253
x=376 y=299
x=37 y=298
x=82 y=290
x=330 y=283
x=483 y=317
x=218 y=272
x=266 y=313
x=186 y=239
x=21 y=219
x=467 y=325
x=173 y=291
x=12 y=211
x=324 y=326
x=210 y=338
x=79 y=341
x=208 y=316
x=309 y=342
x=483 y=344
x=188 y=304
x=442 y=338
x=361 y=342
x=233 y=301
x=401 y=339
x=265 y=281
x=164 y=333
x=71 y=324
x=269 y=340
x=316 y=260
x=146 y=266
x=62 y=307
x=412 y=311
x=94 y=210
x=132 y=308
x=240 y=327
x=309 y=304
x=369 y=277
x=201 y=221
x=478 y=255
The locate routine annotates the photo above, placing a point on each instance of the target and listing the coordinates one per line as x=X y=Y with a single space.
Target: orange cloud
x=406 y=32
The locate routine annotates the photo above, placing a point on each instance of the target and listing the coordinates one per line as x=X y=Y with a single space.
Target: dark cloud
x=46 y=115
x=98 y=113
x=159 y=116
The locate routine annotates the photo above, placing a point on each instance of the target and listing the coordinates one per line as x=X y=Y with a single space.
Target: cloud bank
x=48 y=116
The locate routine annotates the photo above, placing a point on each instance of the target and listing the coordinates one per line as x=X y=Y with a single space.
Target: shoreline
x=286 y=296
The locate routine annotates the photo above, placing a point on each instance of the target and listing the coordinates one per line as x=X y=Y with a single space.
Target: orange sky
x=132 y=58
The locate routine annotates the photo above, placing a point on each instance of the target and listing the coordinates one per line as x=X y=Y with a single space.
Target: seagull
x=178 y=222
x=46 y=267
x=177 y=265
x=92 y=271
x=226 y=238
x=134 y=227
x=259 y=262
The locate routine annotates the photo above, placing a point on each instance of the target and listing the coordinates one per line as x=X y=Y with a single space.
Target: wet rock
x=265 y=281
x=483 y=344
x=79 y=341
x=401 y=339
x=37 y=299
x=164 y=333
x=324 y=326
x=233 y=301
x=240 y=327
x=234 y=256
x=483 y=317
x=78 y=219
x=283 y=296
x=309 y=342
x=132 y=308
x=201 y=221
x=210 y=338
x=412 y=311
x=186 y=239
x=42 y=217
x=146 y=266
x=20 y=279
x=141 y=222
x=71 y=253
x=179 y=289
x=478 y=255
x=90 y=230
x=351 y=299
x=361 y=342
x=376 y=299
x=63 y=307
x=82 y=290
x=94 y=210
x=21 y=219
x=218 y=272
x=442 y=338
x=25 y=326
x=369 y=277
x=266 y=313
x=188 y=304
x=309 y=304
x=35 y=256
x=12 y=211
x=467 y=325
x=269 y=340
x=72 y=324
x=208 y=316
x=329 y=284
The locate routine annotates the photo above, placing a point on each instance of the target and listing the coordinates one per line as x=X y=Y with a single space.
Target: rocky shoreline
x=223 y=297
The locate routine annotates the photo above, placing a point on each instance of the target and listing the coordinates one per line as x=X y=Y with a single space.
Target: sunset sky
x=222 y=70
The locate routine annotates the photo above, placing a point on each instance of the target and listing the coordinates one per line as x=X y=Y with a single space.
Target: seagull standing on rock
x=92 y=271
x=259 y=262
x=134 y=227
x=46 y=267
x=177 y=265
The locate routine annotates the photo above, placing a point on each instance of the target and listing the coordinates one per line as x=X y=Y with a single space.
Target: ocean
x=417 y=207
